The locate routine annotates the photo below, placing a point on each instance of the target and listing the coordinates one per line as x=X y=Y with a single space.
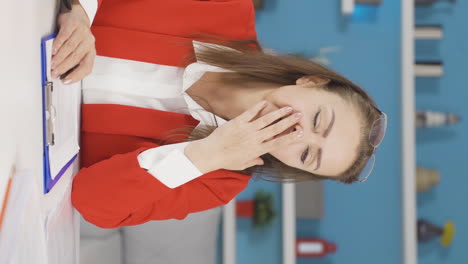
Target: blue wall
x=364 y=219
x=445 y=148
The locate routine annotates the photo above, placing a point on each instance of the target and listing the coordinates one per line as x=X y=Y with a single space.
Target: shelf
x=229 y=233
x=289 y=223
x=408 y=180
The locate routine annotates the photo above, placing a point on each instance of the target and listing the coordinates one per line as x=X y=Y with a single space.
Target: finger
x=255 y=162
x=65 y=50
x=282 y=141
x=281 y=126
x=251 y=113
x=84 y=69
x=72 y=60
x=271 y=117
x=259 y=161
x=64 y=33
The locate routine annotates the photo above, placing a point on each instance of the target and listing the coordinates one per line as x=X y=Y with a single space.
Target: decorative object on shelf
x=428 y=69
x=260 y=209
x=426 y=179
x=258 y=4
x=430 y=2
x=347 y=6
x=429 y=32
x=435 y=119
x=427 y=231
x=314 y=247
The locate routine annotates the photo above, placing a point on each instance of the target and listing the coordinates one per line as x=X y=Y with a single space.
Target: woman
x=287 y=117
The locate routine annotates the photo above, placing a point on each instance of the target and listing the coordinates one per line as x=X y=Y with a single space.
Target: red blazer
x=161 y=31
x=111 y=189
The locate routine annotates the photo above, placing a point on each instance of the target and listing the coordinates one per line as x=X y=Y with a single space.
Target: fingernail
x=54 y=51
x=52 y=64
x=287 y=109
x=298 y=115
x=300 y=133
x=67 y=81
x=55 y=73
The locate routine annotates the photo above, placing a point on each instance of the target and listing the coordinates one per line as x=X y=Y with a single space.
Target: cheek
x=286 y=155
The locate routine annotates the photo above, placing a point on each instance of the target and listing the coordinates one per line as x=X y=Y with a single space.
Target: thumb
x=259 y=161
x=255 y=162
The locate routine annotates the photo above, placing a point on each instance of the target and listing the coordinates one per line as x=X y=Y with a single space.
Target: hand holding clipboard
x=73 y=50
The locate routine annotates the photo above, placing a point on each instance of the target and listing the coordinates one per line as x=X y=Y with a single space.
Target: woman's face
x=331 y=128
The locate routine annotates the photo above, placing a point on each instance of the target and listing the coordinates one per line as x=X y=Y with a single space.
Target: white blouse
x=141 y=84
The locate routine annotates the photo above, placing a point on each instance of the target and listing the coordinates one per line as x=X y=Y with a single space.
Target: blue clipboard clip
x=48 y=117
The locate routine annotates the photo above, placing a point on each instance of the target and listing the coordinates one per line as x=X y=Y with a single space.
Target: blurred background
x=369 y=43
x=410 y=55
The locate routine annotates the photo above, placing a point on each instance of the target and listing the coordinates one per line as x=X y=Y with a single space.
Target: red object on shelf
x=245 y=208
x=314 y=247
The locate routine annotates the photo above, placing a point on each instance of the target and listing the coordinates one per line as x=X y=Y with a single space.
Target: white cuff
x=169 y=164
x=90 y=7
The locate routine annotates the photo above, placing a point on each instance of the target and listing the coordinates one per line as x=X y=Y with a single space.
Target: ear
x=314 y=80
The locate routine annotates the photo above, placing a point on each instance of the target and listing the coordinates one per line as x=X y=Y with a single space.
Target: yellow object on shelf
x=448 y=234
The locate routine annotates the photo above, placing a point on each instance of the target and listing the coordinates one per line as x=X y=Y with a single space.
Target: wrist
x=77 y=7
x=201 y=156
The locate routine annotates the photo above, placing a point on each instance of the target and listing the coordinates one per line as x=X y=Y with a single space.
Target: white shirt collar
x=193 y=73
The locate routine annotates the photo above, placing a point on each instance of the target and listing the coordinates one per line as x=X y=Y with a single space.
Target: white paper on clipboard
x=65 y=118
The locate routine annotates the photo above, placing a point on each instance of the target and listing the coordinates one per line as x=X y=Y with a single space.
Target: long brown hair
x=249 y=63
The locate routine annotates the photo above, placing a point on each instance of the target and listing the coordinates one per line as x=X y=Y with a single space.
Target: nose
x=312 y=137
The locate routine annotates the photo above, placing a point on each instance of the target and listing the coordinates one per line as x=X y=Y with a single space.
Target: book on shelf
x=435 y=119
x=368 y=2
x=429 y=32
x=428 y=69
x=430 y=2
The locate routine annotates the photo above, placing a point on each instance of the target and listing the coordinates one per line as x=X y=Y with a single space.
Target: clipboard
x=48 y=125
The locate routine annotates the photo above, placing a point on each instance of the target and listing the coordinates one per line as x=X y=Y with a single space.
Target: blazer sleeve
x=118 y=192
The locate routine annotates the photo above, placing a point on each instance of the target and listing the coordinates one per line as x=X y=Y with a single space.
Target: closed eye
x=316 y=119
x=304 y=155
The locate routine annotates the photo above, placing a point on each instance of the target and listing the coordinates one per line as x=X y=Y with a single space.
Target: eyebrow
x=327 y=131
